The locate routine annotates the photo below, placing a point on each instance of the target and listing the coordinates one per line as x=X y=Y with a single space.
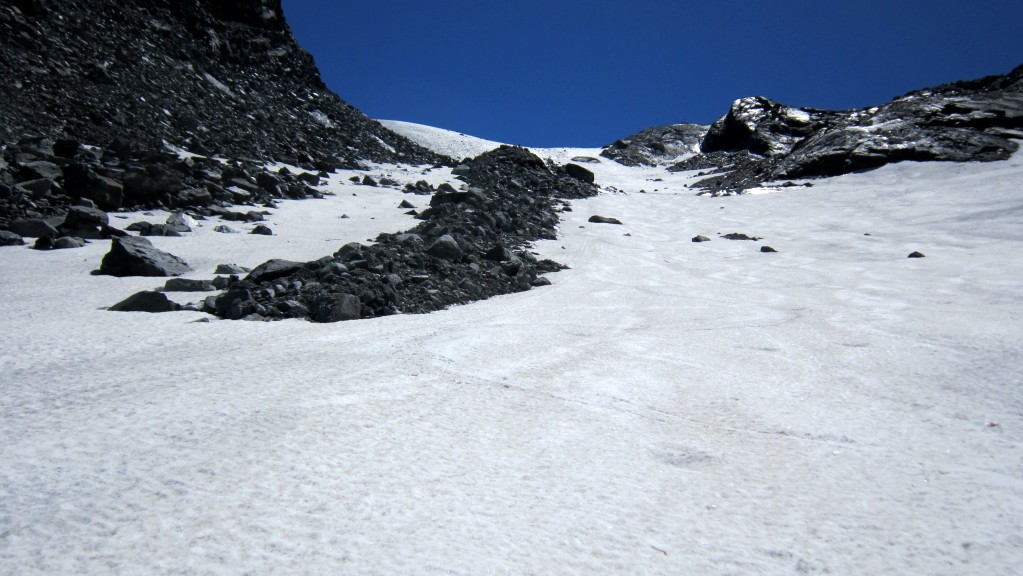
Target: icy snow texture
x=663 y=408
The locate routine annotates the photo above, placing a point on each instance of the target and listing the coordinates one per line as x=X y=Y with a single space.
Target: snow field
x=664 y=407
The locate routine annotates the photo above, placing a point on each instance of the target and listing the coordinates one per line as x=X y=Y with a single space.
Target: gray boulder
x=230 y=269
x=338 y=308
x=147 y=301
x=33 y=228
x=41 y=169
x=235 y=304
x=445 y=247
x=579 y=173
x=135 y=256
x=188 y=285
x=273 y=269
x=8 y=238
x=38 y=188
x=68 y=242
x=194 y=197
x=180 y=222
x=596 y=219
x=83 y=217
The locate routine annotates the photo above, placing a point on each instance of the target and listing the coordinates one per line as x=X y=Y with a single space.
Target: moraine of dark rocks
x=472 y=244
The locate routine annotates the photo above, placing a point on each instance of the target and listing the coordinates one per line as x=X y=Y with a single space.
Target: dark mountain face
x=212 y=76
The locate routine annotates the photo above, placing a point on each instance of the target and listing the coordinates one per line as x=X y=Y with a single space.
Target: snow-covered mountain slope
x=447 y=142
x=664 y=407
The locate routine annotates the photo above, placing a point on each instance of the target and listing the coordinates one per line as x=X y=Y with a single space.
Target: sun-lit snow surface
x=447 y=142
x=664 y=407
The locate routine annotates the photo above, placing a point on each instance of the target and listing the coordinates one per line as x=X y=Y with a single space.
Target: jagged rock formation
x=471 y=245
x=658 y=145
x=760 y=140
x=212 y=76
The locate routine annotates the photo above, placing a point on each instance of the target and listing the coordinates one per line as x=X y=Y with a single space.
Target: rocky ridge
x=761 y=141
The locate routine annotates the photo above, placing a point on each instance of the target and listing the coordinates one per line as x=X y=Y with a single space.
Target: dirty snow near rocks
x=664 y=407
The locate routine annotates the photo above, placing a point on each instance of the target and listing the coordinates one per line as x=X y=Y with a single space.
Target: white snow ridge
x=664 y=407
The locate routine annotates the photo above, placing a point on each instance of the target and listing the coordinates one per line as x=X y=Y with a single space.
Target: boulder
x=445 y=247
x=150 y=229
x=38 y=188
x=579 y=173
x=767 y=249
x=33 y=228
x=40 y=169
x=603 y=220
x=349 y=252
x=67 y=242
x=700 y=239
x=234 y=304
x=82 y=182
x=180 y=222
x=741 y=236
x=188 y=285
x=87 y=222
x=230 y=269
x=262 y=230
x=272 y=270
x=147 y=301
x=338 y=308
x=194 y=197
x=8 y=238
x=268 y=182
x=83 y=217
x=916 y=255
x=135 y=256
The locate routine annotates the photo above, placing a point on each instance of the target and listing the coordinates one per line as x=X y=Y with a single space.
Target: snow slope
x=665 y=407
x=447 y=142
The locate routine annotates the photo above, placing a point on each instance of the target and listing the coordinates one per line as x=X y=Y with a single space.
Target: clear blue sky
x=561 y=73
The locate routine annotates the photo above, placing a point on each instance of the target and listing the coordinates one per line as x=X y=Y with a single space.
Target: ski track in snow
x=664 y=407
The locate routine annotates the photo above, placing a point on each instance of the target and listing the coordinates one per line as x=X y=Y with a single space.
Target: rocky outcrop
x=658 y=145
x=760 y=140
